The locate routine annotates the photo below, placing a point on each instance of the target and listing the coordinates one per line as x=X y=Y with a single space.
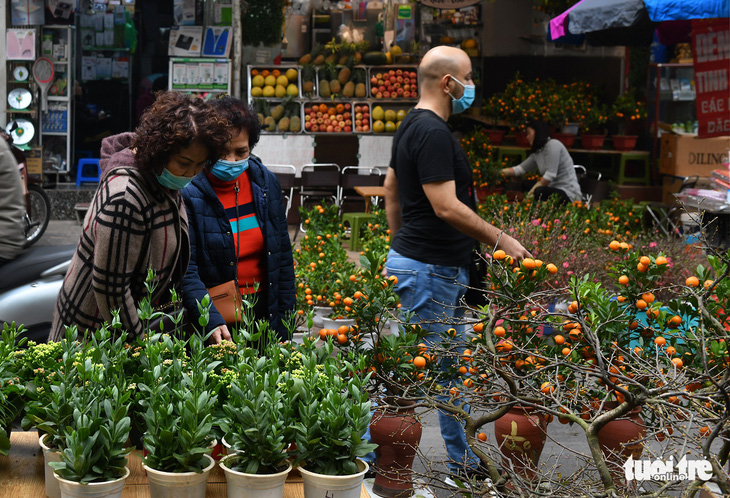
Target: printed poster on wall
x=24 y=12
x=711 y=52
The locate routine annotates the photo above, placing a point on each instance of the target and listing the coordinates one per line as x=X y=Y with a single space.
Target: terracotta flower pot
x=615 y=439
x=592 y=142
x=521 y=139
x=397 y=432
x=496 y=136
x=624 y=142
x=484 y=192
x=521 y=435
x=565 y=138
x=614 y=436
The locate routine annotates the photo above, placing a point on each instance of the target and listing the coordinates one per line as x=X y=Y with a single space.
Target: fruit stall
x=303 y=104
x=332 y=99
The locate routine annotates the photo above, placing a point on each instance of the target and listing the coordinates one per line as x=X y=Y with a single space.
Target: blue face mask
x=466 y=100
x=173 y=182
x=229 y=170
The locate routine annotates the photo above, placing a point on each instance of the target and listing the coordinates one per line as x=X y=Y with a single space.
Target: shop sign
x=34 y=161
x=449 y=4
x=711 y=53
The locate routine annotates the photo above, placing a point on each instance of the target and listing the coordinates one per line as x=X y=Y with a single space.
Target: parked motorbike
x=29 y=286
x=37 y=204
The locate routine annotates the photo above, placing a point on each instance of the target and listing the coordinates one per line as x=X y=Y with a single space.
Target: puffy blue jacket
x=212 y=248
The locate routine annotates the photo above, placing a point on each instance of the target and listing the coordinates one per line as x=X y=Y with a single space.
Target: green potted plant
x=568 y=110
x=495 y=112
x=482 y=157
x=49 y=373
x=626 y=110
x=258 y=425
x=176 y=401
x=321 y=264
x=592 y=126
x=93 y=455
x=333 y=415
x=12 y=390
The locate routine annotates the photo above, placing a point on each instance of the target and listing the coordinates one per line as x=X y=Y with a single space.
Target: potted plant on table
x=574 y=101
x=52 y=374
x=258 y=425
x=176 y=400
x=12 y=389
x=334 y=413
x=495 y=110
x=526 y=101
x=92 y=440
x=482 y=156
x=593 y=124
x=626 y=110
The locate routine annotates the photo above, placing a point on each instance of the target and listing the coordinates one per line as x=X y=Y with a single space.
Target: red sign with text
x=711 y=52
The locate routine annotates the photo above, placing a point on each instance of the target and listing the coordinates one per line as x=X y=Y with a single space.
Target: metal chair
x=286 y=174
x=320 y=182
x=357 y=176
x=593 y=189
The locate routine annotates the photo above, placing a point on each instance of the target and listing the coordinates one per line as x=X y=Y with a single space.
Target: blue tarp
x=675 y=10
x=632 y=21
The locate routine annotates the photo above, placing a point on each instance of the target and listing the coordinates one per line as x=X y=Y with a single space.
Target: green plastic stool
x=644 y=177
x=511 y=151
x=356 y=220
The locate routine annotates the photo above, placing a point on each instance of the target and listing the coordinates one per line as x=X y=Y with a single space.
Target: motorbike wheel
x=36 y=221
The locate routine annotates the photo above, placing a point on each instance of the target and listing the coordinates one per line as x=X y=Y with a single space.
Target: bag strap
x=238 y=235
x=238 y=246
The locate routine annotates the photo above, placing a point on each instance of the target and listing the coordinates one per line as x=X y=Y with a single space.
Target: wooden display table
x=22 y=474
x=368 y=192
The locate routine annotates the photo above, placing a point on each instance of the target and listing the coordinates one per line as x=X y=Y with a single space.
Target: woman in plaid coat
x=137 y=220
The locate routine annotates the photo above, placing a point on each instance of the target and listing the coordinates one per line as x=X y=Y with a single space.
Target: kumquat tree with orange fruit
x=322 y=270
x=637 y=354
x=610 y=325
x=576 y=236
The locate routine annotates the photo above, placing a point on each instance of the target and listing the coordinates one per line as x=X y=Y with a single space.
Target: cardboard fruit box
x=687 y=155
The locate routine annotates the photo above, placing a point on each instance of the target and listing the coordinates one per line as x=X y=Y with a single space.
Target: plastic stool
x=511 y=151
x=356 y=220
x=88 y=171
x=644 y=178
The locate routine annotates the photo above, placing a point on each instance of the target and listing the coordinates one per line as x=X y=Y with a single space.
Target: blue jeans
x=432 y=293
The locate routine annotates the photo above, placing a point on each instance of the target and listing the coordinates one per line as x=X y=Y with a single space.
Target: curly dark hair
x=240 y=116
x=173 y=122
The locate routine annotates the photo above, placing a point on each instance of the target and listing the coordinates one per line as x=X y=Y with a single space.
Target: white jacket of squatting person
x=12 y=205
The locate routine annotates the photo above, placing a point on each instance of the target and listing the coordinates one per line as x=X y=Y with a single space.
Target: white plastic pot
x=108 y=489
x=179 y=484
x=53 y=489
x=227 y=447
x=242 y=485
x=319 y=313
x=331 y=323
x=324 y=486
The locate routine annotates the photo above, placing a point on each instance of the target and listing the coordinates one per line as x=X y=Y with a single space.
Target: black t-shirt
x=425 y=151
